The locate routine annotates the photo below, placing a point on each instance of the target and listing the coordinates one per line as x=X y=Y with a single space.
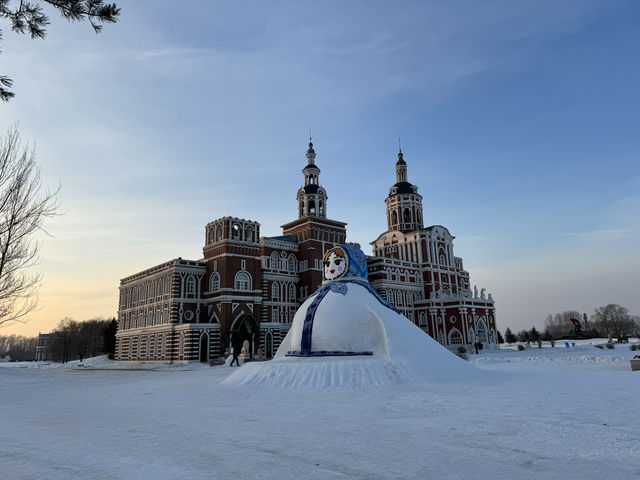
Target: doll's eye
x=338 y=262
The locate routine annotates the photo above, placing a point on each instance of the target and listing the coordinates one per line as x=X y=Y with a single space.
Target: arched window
x=423 y=319
x=275 y=291
x=292 y=293
x=312 y=207
x=301 y=209
x=455 y=337
x=242 y=281
x=321 y=207
x=214 y=282
x=394 y=218
x=482 y=331
x=292 y=263
x=235 y=232
x=407 y=215
x=275 y=261
x=190 y=287
x=442 y=259
x=248 y=234
x=219 y=232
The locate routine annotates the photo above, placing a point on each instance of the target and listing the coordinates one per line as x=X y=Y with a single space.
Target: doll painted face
x=335 y=264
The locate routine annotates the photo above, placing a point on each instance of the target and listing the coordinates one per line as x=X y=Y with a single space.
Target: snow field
x=536 y=414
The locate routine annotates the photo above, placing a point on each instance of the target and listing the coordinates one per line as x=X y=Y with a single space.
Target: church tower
x=312 y=230
x=312 y=198
x=404 y=204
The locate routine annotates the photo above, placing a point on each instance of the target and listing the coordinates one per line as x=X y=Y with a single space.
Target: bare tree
x=614 y=319
x=61 y=345
x=18 y=347
x=73 y=339
x=24 y=207
x=560 y=324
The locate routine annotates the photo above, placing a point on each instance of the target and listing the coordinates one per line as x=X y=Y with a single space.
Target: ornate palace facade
x=248 y=287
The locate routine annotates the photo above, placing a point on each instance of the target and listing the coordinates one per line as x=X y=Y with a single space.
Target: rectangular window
x=274 y=314
x=243 y=264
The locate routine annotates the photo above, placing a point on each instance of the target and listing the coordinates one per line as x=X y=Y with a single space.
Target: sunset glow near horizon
x=518 y=123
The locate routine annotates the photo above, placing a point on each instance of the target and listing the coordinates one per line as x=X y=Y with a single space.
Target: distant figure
x=482 y=293
x=236 y=354
x=475 y=291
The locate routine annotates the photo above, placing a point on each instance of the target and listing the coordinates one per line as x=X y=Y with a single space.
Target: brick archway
x=244 y=328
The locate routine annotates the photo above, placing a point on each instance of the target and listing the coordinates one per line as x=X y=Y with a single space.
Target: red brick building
x=248 y=287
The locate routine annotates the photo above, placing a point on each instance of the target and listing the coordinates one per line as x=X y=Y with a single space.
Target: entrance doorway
x=204 y=347
x=245 y=329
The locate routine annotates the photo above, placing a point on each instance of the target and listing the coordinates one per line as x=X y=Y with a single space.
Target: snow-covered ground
x=565 y=413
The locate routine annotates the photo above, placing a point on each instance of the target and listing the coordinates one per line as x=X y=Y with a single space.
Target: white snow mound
x=357 y=322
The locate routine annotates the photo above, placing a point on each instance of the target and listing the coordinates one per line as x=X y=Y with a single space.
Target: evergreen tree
x=500 y=338
x=534 y=335
x=523 y=336
x=509 y=336
x=28 y=17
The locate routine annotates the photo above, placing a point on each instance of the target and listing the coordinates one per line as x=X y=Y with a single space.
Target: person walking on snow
x=236 y=354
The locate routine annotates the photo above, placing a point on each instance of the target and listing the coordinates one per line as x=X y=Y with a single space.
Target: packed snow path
x=554 y=413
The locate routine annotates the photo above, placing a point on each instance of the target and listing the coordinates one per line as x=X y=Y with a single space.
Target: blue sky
x=518 y=120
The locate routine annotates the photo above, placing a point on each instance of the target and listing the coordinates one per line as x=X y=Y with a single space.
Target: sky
x=518 y=122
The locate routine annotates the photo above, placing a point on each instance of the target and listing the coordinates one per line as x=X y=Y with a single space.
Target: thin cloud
x=607 y=234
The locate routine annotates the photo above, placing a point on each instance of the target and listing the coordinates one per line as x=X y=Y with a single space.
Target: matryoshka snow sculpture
x=345 y=334
x=340 y=318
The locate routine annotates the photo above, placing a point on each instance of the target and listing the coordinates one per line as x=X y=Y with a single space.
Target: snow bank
x=583 y=356
x=342 y=372
x=356 y=321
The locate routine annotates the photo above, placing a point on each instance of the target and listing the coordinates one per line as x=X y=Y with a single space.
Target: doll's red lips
x=332 y=271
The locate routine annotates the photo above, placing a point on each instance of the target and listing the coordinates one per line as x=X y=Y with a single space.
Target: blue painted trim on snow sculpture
x=324 y=353
x=307 y=326
x=373 y=292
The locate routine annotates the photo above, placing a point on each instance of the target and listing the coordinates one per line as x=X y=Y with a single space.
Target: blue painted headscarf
x=357 y=264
